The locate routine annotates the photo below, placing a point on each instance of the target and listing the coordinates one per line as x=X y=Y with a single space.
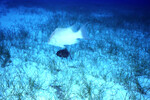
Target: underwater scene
x=74 y=50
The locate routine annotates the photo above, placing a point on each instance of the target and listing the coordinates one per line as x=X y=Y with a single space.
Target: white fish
x=66 y=36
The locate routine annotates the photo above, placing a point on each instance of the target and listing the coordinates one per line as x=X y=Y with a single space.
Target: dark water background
x=135 y=11
x=59 y=4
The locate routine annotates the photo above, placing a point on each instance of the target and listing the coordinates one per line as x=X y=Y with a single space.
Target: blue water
x=58 y=3
x=112 y=62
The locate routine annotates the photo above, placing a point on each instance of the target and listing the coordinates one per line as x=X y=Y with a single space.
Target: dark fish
x=63 y=53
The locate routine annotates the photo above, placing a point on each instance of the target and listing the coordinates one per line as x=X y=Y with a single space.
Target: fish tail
x=83 y=31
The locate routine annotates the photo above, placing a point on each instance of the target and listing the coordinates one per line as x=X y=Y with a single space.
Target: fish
x=64 y=53
x=66 y=36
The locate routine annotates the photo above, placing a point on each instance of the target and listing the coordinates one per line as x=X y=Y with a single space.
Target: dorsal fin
x=74 y=27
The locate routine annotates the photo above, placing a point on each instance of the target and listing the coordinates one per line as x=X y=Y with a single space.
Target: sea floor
x=112 y=64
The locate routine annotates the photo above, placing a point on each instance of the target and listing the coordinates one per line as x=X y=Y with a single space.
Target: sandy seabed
x=112 y=64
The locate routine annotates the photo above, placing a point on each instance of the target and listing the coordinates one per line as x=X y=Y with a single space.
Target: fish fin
x=74 y=28
x=84 y=32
